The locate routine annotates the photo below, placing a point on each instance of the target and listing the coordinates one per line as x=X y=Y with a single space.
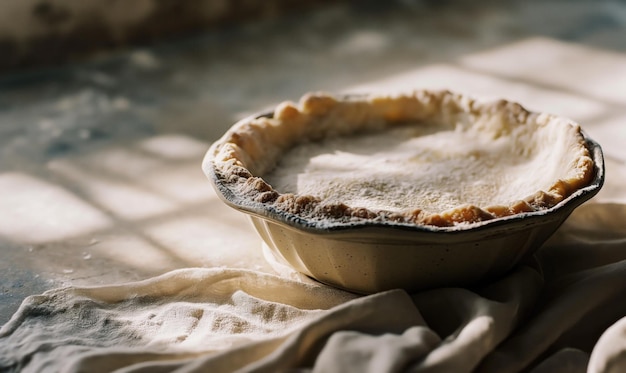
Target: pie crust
x=427 y=158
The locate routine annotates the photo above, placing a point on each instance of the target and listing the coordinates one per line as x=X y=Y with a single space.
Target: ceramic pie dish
x=414 y=191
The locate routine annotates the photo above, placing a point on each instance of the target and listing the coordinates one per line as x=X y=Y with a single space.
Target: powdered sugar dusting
x=412 y=167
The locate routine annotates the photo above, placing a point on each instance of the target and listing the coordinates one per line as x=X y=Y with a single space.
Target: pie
x=432 y=158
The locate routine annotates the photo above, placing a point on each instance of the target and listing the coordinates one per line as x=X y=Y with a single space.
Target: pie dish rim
x=245 y=204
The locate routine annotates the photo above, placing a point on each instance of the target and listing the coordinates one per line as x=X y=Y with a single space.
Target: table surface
x=100 y=178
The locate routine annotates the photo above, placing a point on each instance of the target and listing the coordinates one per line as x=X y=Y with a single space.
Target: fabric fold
x=180 y=314
x=565 y=314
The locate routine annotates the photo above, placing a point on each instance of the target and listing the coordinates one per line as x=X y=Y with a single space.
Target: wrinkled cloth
x=565 y=312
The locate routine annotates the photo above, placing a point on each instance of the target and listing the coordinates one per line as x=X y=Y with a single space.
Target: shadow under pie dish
x=414 y=191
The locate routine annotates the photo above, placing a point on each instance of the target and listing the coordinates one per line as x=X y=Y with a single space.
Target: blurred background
x=107 y=109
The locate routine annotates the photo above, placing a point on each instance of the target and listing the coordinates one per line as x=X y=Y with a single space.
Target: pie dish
x=399 y=180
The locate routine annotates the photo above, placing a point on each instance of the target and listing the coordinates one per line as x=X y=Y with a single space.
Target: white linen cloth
x=564 y=313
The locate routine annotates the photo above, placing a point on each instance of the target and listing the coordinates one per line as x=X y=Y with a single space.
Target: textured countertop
x=100 y=178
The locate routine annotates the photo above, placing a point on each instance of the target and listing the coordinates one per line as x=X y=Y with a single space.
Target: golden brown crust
x=252 y=147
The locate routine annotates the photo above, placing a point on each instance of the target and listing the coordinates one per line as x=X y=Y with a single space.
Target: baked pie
x=429 y=158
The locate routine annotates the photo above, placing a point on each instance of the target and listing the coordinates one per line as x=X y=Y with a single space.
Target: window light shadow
x=580 y=69
x=39 y=211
